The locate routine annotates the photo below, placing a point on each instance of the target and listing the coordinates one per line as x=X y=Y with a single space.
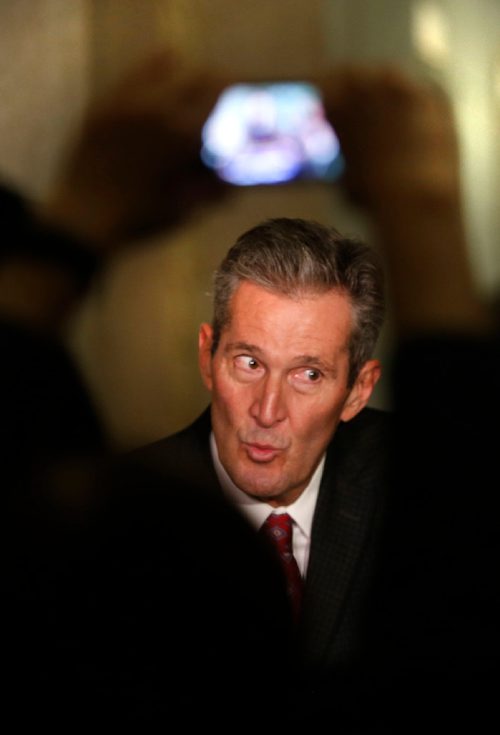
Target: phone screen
x=270 y=133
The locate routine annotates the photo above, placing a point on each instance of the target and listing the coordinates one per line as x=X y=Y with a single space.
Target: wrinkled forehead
x=253 y=291
x=259 y=313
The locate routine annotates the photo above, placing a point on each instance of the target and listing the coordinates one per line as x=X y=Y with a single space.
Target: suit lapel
x=343 y=518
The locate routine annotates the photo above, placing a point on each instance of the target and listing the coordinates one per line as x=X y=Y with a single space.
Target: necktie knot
x=278 y=528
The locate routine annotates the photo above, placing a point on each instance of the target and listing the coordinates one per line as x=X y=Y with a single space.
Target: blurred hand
x=398 y=135
x=402 y=166
x=135 y=166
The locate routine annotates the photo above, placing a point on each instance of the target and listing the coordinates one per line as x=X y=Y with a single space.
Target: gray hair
x=296 y=258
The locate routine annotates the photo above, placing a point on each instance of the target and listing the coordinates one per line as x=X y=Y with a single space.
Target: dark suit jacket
x=345 y=534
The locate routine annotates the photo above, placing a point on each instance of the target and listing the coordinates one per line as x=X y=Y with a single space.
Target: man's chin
x=263 y=486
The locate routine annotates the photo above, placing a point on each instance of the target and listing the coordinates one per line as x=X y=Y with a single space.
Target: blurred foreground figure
x=129 y=600
x=433 y=626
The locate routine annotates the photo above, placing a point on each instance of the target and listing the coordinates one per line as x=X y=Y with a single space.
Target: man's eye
x=245 y=362
x=307 y=376
x=312 y=375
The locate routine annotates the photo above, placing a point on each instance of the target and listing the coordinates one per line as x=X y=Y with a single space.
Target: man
x=288 y=360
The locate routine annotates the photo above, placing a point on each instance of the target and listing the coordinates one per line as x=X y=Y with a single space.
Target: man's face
x=279 y=387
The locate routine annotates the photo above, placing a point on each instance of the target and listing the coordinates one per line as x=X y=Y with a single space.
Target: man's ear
x=362 y=389
x=205 y=339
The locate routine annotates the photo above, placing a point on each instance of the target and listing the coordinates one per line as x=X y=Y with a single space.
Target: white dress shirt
x=301 y=511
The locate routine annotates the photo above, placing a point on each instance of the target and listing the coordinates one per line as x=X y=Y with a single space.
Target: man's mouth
x=261 y=452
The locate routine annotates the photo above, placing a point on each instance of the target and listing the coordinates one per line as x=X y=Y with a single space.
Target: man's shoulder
x=373 y=425
x=363 y=444
x=186 y=453
x=197 y=431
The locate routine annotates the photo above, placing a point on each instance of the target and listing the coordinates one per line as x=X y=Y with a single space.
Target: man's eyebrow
x=244 y=346
x=310 y=359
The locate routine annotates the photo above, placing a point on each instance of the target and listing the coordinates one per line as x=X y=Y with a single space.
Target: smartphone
x=270 y=133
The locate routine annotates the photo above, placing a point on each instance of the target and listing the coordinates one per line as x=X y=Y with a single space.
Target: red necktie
x=278 y=529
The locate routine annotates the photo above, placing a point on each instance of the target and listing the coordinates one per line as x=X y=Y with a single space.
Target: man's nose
x=269 y=404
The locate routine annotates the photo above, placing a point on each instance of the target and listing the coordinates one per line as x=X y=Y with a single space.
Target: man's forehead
x=308 y=326
x=253 y=300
